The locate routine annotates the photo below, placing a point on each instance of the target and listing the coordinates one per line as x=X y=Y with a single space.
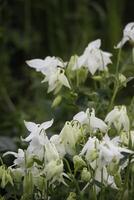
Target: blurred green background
x=38 y=28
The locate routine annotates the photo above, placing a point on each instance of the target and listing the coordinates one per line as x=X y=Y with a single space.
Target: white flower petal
x=47 y=124
x=38 y=64
x=31 y=126
x=63 y=80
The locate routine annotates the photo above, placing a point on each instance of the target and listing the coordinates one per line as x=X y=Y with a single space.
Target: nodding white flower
x=90 y=119
x=128 y=35
x=110 y=150
x=94 y=58
x=56 y=140
x=56 y=79
x=96 y=123
x=70 y=135
x=53 y=69
x=110 y=153
x=90 y=149
x=37 y=130
x=46 y=65
x=20 y=157
x=82 y=117
x=53 y=163
x=119 y=118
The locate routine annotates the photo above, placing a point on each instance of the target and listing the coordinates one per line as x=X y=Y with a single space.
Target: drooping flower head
x=94 y=58
x=37 y=130
x=53 y=69
x=70 y=135
x=91 y=120
x=128 y=35
x=119 y=118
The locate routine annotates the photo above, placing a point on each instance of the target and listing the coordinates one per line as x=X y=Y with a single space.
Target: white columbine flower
x=90 y=119
x=128 y=35
x=119 y=118
x=56 y=79
x=53 y=163
x=37 y=130
x=45 y=65
x=37 y=138
x=91 y=150
x=70 y=135
x=53 y=69
x=94 y=58
x=109 y=150
x=56 y=140
x=19 y=157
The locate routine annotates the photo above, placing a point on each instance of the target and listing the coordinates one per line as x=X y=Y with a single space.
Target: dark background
x=38 y=28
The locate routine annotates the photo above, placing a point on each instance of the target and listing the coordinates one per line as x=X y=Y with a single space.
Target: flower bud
x=5 y=176
x=79 y=163
x=3 y=180
x=85 y=175
x=97 y=78
x=9 y=178
x=56 y=101
x=72 y=196
x=122 y=80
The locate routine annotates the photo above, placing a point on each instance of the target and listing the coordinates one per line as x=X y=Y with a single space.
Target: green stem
x=133 y=54
x=114 y=96
x=77 y=78
x=116 y=83
x=94 y=192
x=102 y=188
x=118 y=62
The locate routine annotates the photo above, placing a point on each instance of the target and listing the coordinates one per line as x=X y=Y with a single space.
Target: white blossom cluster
x=93 y=59
x=54 y=68
x=80 y=139
x=99 y=149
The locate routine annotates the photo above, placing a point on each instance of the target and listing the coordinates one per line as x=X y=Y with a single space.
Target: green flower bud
x=9 y=178
x=85 y=175
x=56 y=101
x=79 y=163
x=97 y=78
x=122 y=80
x=3 y=181
x=72 y=196
x=5 y=176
